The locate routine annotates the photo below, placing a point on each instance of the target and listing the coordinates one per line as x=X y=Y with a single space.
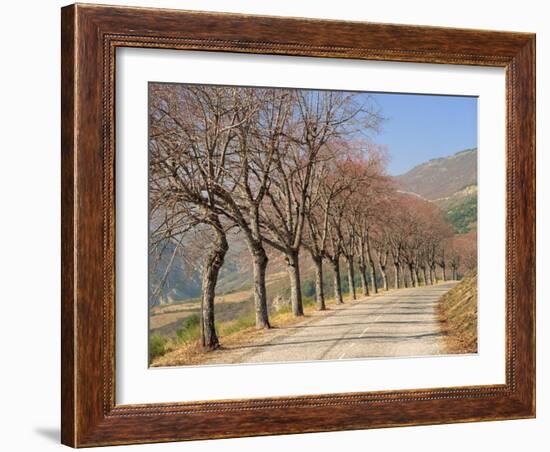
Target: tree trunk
x=444 y=272
x=433 y=274
x=363 y=277
x=372 y=270
x=372 y=277
x=384 y=277
x=351 y=277
x=363 y=269
x=425 y=273
x=259 y=256
x=411 y=274
x=382 y=264
x=335 y=263
x=319 y=291
x=397 y=276
x=214 y=261
x=260 y=259
x=293 y=268
x=404 y=274
x=416 y=276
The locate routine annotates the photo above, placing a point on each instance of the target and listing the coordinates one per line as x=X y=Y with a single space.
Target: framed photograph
x=281 y=225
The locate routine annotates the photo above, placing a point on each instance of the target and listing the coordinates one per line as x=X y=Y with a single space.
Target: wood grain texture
x=90 y=36
x=67 y=226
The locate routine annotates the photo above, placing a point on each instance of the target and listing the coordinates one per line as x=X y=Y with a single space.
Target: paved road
x=397 y=323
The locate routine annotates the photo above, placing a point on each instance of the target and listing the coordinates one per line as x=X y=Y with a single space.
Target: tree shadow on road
x=371 y=337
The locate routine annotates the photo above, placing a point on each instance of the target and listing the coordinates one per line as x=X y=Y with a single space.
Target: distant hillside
x=460 y=208
x=183 y=283
x=180 y=281
x=441 y=177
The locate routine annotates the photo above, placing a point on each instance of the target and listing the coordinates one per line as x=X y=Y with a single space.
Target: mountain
x=461 y=208
x=441 y=177
x=450 y=183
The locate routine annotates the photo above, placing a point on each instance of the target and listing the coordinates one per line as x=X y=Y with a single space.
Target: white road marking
x=390 y=305
x=367 y=328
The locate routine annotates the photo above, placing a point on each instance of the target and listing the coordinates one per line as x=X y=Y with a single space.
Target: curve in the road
x=403 y=322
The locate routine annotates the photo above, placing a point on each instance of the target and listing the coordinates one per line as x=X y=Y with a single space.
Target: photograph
x=290 y=224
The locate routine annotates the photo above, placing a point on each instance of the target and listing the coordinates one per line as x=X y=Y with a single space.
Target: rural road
x=402 y=322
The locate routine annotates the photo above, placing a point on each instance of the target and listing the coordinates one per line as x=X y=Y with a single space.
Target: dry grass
x=167 y=319
x=185 y=354
x=171 y=314
x=459 y=311
x=237 y=332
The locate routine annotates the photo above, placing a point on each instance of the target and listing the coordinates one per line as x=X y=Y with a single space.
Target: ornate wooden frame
x=90 y=35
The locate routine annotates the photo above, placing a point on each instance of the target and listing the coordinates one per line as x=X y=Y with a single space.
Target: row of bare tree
x=292 y=170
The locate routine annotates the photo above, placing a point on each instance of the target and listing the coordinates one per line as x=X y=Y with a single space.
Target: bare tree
x=462 y=254
x=319 y=119
x=181 y=181
x=335 y=179
x=383 y=230
x=333 y=251
x=262 y=118
x=383 y=254
x=370 y=205
x=348 y=240
x=441 y=260
x=235 y=134
x=330 y=181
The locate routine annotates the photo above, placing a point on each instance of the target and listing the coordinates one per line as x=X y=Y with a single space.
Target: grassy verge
x=459 y=310
x=185 y=348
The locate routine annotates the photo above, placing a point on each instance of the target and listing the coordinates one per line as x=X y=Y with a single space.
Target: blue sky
x=422 y=127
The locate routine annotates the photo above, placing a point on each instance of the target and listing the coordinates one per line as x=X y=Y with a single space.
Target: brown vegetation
x=459 y=311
